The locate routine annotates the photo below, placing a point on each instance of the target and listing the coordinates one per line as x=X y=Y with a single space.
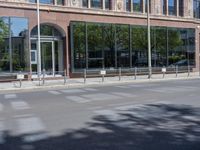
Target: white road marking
x=20 y=105
x=122 y=94
x=54 y=92
x=77 y=99
x=73 y=91
x=29 y=125
x=90 y=89
x=123 y=87
x=35 y=137
x=10 y=96
x=100 y=96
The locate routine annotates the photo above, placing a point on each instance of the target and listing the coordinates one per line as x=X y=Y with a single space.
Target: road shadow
x=145 y=127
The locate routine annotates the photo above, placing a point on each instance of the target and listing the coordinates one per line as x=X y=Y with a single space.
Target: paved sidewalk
x=79 y=82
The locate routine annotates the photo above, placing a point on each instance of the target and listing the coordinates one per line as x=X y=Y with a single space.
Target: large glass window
x=172 y=7
x=43 y=1
x=14 y=54
x=196 y=8
x=96 y=4
x=98 y=45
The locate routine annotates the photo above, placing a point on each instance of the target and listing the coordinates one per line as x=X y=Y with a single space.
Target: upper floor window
x=85 y=3
x=196 y=8
x=172 y=7
x=181 y=7
x=128 y=5
x=108 y=4
x=52 y=2
x=137 y=5
x=96 y=4
x=149 y=6
x=164 y=7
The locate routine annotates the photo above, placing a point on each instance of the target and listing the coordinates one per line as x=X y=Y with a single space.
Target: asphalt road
x=143 y=116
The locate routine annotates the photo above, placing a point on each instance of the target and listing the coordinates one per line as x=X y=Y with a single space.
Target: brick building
x=94 y=34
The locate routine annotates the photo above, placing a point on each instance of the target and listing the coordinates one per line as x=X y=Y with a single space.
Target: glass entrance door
x=47 y=57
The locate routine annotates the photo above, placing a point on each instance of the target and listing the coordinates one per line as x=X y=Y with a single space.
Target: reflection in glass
x=78 y=45
x=172 y=7
x=112 y=46
x=84 y=3
x=14 y=45
x=122 y=45
x=137 y=5
x=4 y=45
x=96 y=4
x=139 y=46
x=95 y=38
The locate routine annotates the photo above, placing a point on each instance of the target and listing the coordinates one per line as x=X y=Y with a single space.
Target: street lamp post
x=149 y=40
x=38 y=47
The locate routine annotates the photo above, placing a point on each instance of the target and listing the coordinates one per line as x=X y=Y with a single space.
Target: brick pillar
x=188 y=8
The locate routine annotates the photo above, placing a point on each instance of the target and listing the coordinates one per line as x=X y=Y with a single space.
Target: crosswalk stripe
x=69 y=91
x=121 y=94
x=30 y=125
x=10 y=96
x=90 y=89
x=54 y=92
x=77 y=99
x=20 y=105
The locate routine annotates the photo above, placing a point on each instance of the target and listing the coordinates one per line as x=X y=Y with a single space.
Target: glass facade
x=98 y=45
x=196 y=8
x=14 y=53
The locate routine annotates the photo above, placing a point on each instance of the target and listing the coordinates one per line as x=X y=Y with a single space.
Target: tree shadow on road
x=145 y=127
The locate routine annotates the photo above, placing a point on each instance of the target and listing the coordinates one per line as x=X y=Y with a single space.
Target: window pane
x=60 y=2
x=107 y=4
x=4 y=45
x=20 y=52
x=122 y=46
x=96 y=3
x=79 y=43
x=139 y=46
x=85 y=3
x=172 y=7
x=137 y=5
x=109 y=45
x=95 y=53
x=159 y=46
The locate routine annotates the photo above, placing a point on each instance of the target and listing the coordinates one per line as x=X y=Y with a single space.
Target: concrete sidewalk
x=79 y=82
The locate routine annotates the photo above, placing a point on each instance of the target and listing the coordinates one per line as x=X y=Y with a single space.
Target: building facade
x=95 y=34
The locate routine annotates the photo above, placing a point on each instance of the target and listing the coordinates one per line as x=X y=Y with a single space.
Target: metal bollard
x=20 y=80
x=102 y=78
x=176 y=71
x=43 y=76
x=188 y=70
x=120 y=73
x=135 y=72
x=85 y=75
x=65 y=76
